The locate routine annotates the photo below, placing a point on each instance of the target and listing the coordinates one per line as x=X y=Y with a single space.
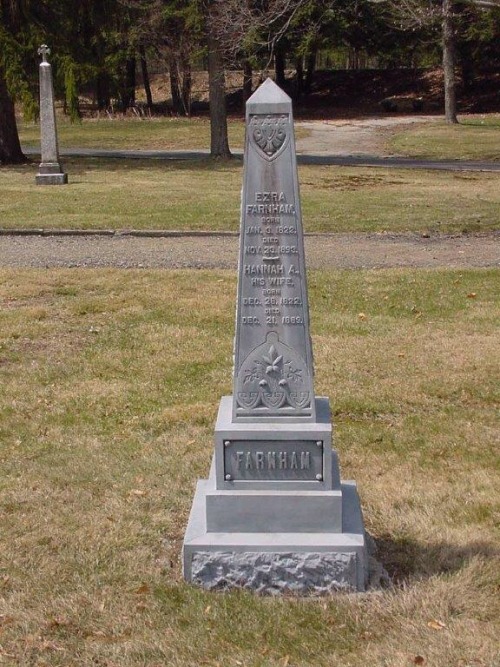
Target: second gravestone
x=50 y=171
x=273 y=515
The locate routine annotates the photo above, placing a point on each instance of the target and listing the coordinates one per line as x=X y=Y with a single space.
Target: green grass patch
x=205 y=195
x=134 y=134
x=166 y=134
x=110 y=382
x=474 y=138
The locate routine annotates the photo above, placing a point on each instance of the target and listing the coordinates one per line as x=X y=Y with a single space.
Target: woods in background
x=101 y=50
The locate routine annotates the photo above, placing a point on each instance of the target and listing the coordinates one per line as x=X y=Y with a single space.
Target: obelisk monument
x=273 y=515
x=50 y=171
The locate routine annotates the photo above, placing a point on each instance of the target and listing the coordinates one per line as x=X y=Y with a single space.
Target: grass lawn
x=110 y=382
x=150 y=134
x=474 y=138
x=135 y=134
x=151 y=194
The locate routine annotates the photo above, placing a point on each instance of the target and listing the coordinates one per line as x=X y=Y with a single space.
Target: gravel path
x=353 y=142
x=355 y=136
x=347 y=251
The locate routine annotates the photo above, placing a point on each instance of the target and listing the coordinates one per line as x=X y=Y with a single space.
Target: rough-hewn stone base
x=300 y=573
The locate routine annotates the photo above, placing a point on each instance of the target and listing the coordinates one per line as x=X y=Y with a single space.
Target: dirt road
x=358 y=136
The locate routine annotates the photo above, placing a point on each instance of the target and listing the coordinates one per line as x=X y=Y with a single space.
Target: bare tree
x=251 y=25
x=235 y=28
x=412 y=14
x=449 y=61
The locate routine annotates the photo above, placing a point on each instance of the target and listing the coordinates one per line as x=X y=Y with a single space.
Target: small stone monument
x=273 y=515
x=50 y=171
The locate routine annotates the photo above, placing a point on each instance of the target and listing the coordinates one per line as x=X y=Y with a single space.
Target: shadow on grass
x=81 y=166
x=23 y=168
x=404 y=557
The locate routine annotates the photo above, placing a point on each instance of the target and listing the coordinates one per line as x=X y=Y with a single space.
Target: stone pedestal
x=51 y=174
x=284 y=522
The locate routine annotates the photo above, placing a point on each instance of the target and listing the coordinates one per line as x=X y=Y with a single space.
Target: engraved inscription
x=273 y=460
x=272 y=312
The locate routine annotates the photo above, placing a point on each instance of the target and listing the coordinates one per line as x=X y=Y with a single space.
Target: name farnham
x=279 y=460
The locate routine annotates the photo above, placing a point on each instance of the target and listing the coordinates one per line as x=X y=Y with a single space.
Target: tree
x=478 y=44
x=77 y=27
x=10 y=147
x=219 y=143
x=412 y=14
x=233 y=29
x=182 y=28
x=448 y=37
x=10 y=72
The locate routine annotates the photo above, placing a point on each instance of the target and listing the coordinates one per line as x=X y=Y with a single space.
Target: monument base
x=51 y=179
x=300 y=563
x=285 y=535
x=51 y=173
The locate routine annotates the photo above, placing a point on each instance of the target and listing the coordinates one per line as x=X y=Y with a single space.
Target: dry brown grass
x=110 y=383
x=203 y=195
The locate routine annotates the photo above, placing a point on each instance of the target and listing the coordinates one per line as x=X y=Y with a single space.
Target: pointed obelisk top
x=269 y=98
x=269 y=92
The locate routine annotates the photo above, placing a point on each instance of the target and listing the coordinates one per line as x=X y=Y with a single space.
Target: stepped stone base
x=299 y=563
x=51 y=173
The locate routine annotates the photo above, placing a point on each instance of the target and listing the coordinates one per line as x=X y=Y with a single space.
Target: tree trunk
x=175 y=90
x=219 y=144
x=299 y=77
x=450 y=99
x=102 y=91
x=247 y=81
x=145 y=77
x=10 y=148
x=310 y=68
x=128 y=90
x=279 y=68
x=464 y=49
x=187 y=82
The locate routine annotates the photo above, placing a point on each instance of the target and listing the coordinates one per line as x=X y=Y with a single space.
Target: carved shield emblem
x=269 y=134
x=299 y=399
x=248 y=399
x=274 y=399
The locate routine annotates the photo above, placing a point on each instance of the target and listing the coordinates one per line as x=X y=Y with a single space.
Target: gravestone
x=50 y=171
x=273 y=515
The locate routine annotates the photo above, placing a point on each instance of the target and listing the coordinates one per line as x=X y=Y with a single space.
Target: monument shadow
x=405 y=558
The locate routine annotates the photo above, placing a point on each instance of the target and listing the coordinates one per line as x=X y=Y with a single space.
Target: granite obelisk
x=273 y=515
x=273 y=359
x=50 y=171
